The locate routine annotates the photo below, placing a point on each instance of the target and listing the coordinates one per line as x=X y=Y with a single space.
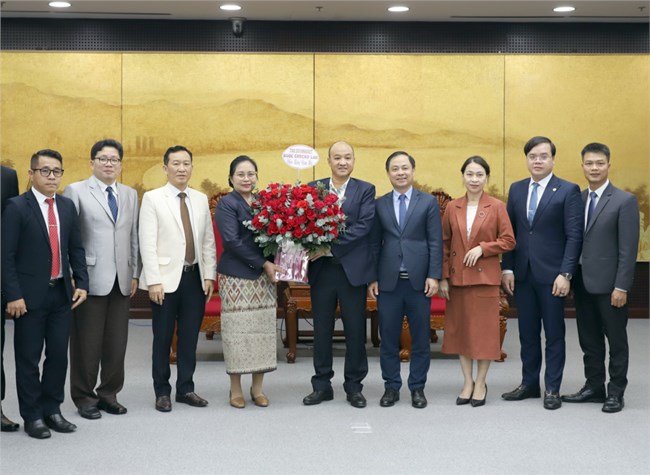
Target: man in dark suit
x=41 y=243
x=339 y=276
x=108 y=214
x=609 y=249
x=407 y=248
x=9 y=190
x=546 y=215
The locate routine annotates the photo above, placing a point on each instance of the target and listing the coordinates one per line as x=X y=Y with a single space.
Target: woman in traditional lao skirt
x=475 y=231
x=247 y=289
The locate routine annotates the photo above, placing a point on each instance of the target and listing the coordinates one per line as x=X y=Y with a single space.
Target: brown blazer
x=491 y=230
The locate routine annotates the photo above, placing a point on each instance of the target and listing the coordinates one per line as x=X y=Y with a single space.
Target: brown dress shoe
x=237 y=402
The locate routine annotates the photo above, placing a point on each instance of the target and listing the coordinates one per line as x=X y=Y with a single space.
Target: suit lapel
x=461 y=218
x=551 y=188
x=36 y=209
x=170 y=201
x=415 y=197
x=390 y=210
x=350 y=192
x=602 y=202
x=482 y=212
x=96 y=192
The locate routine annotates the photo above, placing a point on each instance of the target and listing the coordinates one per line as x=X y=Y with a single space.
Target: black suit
x=9 y=190
x=26 y=274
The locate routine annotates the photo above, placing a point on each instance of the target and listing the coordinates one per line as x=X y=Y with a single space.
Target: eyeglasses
x=250 y=175
x=45 y=172
x=543 y=157
x=104 y=160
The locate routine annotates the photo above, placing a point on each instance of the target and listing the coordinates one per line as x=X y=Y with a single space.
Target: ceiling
x=336 y=10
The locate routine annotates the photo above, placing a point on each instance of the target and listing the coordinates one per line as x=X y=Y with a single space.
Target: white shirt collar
x=600 y=190
x=543 y=182
x=408 y=194
x=40 y=197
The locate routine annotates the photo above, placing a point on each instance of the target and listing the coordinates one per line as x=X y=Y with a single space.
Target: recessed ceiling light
x=566 y=9
x=59 y=4
x=231 y=7
x=398 y=9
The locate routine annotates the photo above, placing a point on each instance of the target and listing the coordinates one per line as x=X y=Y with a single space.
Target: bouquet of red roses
x=295 y=220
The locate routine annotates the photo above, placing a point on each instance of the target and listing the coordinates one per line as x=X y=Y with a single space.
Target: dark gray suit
x=419 y=247
x=609 y=251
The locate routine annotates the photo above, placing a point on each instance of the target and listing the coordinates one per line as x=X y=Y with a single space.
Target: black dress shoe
x=417 y=399
x=90 y=412
x=614 y=404
x=57 y=423
x=37 y=429
x=192 y=399
x=9 y=425
x=112 y=407
x=586 y=395
x=390 y=397
x=479 y=402
x=461 y=401
x=522 y=392
x=552 y=400
x=356 y=400
x=317 y=397
x=163 y=404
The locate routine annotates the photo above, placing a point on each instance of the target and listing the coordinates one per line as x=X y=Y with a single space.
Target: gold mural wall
x=439 y=108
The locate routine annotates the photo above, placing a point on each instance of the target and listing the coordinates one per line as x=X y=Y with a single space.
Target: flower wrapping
x=309 y=217
x=293 y=259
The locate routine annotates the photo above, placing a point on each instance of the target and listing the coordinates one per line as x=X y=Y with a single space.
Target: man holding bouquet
x=339 y=276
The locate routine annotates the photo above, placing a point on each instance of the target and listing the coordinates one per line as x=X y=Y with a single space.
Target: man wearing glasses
x=108 y=213
x=546 y=213
x=42 y=253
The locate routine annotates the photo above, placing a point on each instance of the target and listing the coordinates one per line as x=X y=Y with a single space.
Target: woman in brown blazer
x=475 y=231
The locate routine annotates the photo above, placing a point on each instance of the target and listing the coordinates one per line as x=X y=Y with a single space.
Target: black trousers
x=100 y=330
x=40 y=395
x=2 y=354
x=185 y=307
x=597 y=319
x=332 y=289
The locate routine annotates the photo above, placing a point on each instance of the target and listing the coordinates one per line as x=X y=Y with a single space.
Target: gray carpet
x=287 y=437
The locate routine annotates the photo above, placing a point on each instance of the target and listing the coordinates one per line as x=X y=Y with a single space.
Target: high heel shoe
x=237 y=402
x=261 y=400
x=461 y=401
x=479 y=402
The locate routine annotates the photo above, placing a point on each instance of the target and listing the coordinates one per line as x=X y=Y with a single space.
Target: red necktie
x=54 y=238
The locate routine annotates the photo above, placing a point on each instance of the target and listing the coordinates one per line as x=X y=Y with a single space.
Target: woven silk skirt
x=248 y=324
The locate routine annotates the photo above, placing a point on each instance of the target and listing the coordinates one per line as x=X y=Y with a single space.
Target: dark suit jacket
x=420 y=243
x=241 y=257
x=552 y=244
x=491 y=230
x=26 y=253
x=9 y=185
x=353 y=246
x=611 y=242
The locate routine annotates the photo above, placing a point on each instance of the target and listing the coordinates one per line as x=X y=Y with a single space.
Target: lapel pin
x=554 y=189
x=481 y=214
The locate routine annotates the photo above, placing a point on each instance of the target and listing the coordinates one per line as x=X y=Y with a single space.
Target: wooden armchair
x=438 y=305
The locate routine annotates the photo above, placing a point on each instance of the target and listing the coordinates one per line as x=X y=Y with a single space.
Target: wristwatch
x=567 y=276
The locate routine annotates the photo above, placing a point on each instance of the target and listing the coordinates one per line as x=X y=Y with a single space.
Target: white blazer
x=162 y=239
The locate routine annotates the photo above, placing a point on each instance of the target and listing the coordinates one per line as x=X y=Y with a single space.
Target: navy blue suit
x=241 y=256
x=26 y=269
x=342 y=280
x=545 y=249
x=419 y=247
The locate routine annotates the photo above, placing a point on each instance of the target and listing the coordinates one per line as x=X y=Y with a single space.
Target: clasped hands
x=430 y=288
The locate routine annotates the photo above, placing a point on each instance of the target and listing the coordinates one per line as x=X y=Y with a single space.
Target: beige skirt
x=248 y=324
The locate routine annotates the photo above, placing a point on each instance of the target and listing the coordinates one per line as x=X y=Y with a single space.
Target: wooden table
x=298 y=304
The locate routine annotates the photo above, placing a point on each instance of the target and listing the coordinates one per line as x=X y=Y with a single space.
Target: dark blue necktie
x=402 y=211
x=593 y=196
x=112 y=203
x=532 y=205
